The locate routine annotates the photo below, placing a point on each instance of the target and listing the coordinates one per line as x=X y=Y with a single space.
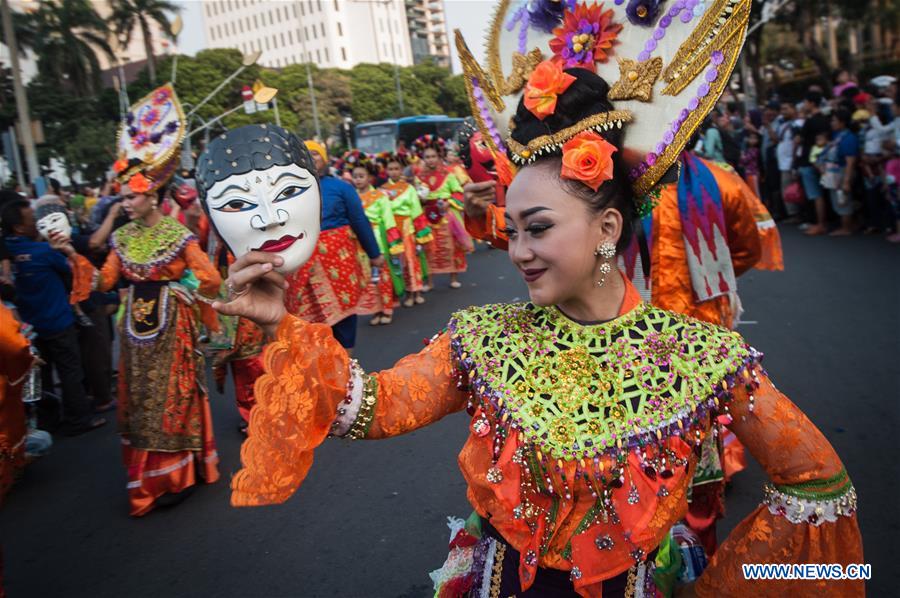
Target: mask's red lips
x=274 y=246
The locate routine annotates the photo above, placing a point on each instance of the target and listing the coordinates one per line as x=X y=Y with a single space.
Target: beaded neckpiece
x=144 y=249
x=576 y=391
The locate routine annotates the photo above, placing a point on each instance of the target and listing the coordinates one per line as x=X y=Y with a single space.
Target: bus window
x=409 y=132
x=374 y=139
x=449 y=130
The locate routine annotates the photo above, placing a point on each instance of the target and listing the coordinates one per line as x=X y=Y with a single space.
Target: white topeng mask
x=55 y=222
x=275 y=210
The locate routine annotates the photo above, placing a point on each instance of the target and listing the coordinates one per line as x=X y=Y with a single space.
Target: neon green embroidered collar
x=143 y=248
x=576 y=391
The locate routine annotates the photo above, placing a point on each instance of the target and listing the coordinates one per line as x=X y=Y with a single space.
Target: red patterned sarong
x=328 y=287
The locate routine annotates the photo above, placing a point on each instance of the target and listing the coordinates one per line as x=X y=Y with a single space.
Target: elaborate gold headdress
x=667 y=63
x=149 y=140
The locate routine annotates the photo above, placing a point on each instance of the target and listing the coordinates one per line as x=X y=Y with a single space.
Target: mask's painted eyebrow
x=288 y=174
x=229 y=188
x=526 y=213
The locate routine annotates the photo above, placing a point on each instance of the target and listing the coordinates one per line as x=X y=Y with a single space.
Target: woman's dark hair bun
x=586 y=96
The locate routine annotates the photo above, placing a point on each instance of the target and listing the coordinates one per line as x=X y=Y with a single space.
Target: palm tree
x=129 y=15
x=65 y=35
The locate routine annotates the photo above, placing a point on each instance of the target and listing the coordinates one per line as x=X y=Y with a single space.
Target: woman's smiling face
x=553 y=235
x=275 y=210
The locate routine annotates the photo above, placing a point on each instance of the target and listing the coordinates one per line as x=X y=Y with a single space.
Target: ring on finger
x=232 y=292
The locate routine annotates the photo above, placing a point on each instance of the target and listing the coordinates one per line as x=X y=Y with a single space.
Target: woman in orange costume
x=588 y=406
x=752 y=240
x=16 y=360
x=164 y=417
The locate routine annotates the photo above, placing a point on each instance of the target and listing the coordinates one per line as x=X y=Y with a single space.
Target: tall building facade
x=427 y=23
x=328 y=33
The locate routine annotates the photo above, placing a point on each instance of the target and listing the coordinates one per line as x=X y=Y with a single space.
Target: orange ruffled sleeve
x=311 y=389
x=15 y=356
x=808 y=515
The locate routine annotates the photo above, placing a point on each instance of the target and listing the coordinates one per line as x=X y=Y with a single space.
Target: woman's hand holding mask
x=256 y=291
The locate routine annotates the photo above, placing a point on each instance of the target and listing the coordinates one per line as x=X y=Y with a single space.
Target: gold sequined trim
x=648 y=180
x=492 y=45
x=720 y=23
x=523 y=66
x=631 y=583
x=636 y=79
x=472 y=70
x=366 y=414
x=497 y=569
x=523 y=154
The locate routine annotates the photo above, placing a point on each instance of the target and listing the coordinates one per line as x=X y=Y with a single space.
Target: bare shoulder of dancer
x=477 y=196
x=255 y=290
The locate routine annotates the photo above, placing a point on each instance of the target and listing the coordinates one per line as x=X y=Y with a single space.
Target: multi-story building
x=428 y=31
x=328 y=33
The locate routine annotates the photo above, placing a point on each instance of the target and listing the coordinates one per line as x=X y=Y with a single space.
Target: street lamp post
x=385 y=4
x=21 y=97
x=248 y=60
x=301 y=33
x=396 y=65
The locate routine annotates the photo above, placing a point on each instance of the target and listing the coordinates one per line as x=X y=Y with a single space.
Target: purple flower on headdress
x=586 y=36
x=544 y=15
x=171 y=126
x=132 y=131
x=642 y=12
x=139 y=140
x=150 y=117
x=155 y=137
x=129 y=118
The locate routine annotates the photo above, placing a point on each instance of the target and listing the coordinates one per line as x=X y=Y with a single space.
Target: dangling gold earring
x=607 y=251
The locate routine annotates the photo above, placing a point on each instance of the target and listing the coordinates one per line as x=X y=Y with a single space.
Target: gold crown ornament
x=667 y=63
x=149 y=140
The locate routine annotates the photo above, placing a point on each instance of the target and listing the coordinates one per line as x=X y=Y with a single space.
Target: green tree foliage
x=65 y=35
x=129 y=16
x=80 y=129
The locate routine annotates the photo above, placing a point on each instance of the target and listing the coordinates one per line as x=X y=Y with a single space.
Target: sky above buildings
x=469 y=16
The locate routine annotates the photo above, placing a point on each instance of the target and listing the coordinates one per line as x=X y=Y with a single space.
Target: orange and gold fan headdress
x=667 y=63
x=149 y=140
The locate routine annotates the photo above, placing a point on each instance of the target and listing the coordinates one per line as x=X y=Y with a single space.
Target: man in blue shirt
x=341 y=206
x=41 y=274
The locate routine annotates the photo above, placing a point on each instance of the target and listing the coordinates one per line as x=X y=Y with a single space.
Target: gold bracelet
x=366 y=414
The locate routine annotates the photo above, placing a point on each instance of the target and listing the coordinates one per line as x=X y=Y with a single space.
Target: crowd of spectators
x=828 y=162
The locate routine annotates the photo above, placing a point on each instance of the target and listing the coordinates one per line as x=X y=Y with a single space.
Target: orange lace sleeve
x=418 y=391
x=86 y=278
x=311 y=389
x=808 y=514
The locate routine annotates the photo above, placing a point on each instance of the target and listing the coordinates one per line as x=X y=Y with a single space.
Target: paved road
x=370 y=519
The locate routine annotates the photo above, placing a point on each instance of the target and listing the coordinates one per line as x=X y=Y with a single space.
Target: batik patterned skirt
x=163 y=412
x=328 y=287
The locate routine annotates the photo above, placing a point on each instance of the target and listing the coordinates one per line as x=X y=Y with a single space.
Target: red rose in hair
x=139 y=183
x=588 y=158
x=544 y=85
x=120 y=165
